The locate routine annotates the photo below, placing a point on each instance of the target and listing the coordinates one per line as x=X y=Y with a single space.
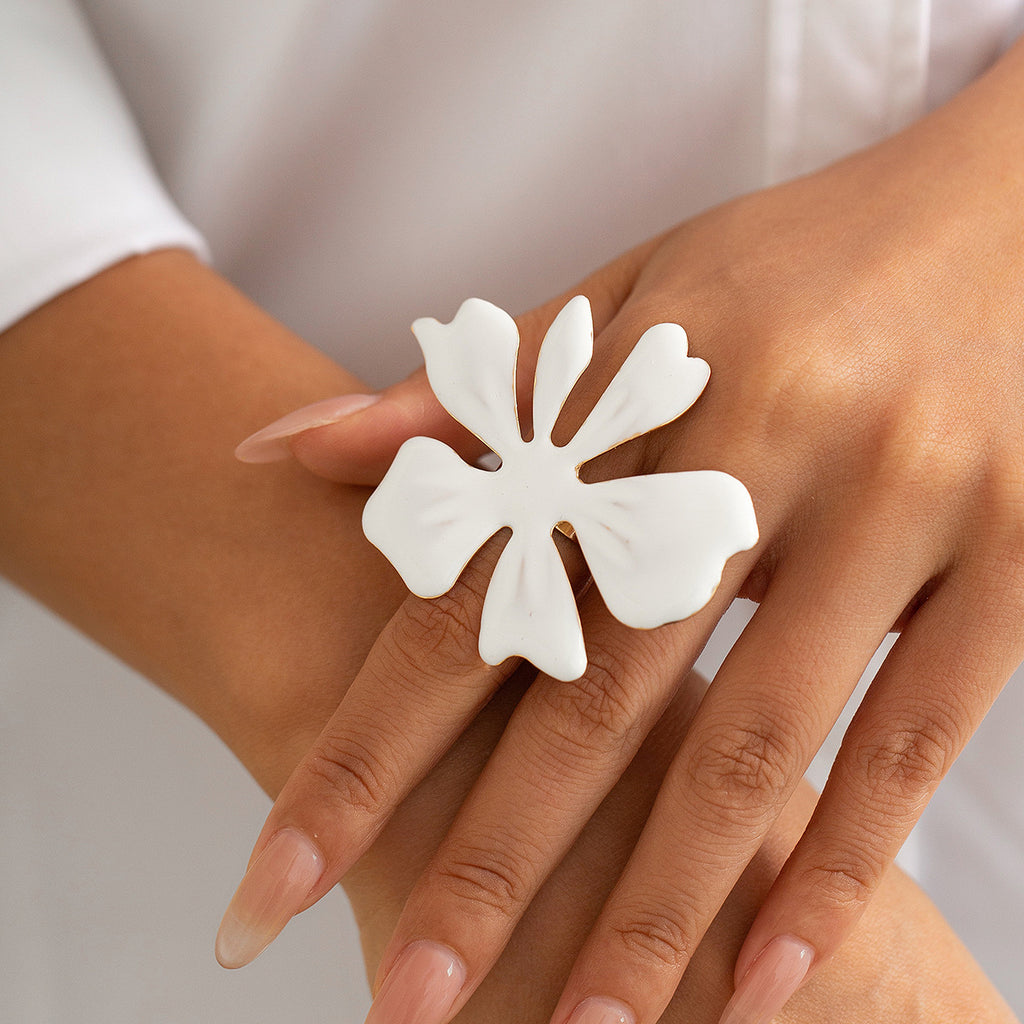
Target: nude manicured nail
x=421 y=988
x=271 y=443
x=597 y=1010
x=270 y=895
x=771 y=979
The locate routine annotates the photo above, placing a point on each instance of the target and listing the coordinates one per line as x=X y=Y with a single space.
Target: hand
x=861 y=325
x=901 y=964
x=164 y=574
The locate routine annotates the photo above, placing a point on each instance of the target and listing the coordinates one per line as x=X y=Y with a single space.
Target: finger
x=562 y=752
x=562 y=913
x=304 y=847
x=421 y=684
x=353 y=438
x=559 y=765
x=359 y=449
x=770 y=707
x=928 y=698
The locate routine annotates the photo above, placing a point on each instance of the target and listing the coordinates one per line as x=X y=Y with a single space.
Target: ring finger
x=771 y=705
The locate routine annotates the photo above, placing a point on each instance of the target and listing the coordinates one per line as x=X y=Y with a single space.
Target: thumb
x=353 y=438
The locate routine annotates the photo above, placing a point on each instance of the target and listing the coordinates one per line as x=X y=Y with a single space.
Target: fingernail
x=271 y=443
x=421 y=988
x=597 y=1010
x=771 y=979
x=271 y=893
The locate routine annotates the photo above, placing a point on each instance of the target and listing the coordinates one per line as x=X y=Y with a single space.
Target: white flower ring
x=655 y=545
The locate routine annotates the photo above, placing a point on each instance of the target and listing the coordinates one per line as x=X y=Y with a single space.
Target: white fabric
x=77 y=190
x=352 y=166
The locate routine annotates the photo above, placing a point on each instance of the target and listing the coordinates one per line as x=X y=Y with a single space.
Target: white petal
x=530 y=610
x=430 y=515
x=656 y=383
x=657 y=545
x=471 y=366
x=564 y=354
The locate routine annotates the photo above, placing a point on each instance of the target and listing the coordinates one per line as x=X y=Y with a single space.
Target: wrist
x=122 y=507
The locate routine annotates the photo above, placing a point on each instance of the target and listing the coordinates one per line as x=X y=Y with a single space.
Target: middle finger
x=561 y=753
x=773 y=702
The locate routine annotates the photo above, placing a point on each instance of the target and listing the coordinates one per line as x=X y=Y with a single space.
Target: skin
x=244 y=594
x=901 y=963
x=862 y=325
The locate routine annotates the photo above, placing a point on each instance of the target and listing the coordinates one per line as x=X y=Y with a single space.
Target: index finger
x=422 y=683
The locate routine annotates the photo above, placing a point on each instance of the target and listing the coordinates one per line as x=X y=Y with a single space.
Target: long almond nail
x=270 y=895
x=421 y=988
x=771 y=979
x=271 y=443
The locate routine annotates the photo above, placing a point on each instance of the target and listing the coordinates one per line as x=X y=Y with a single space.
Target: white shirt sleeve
x=77 y=190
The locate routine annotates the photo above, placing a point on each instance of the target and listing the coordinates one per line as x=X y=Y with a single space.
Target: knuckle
x=353 y=775
x=746 y=764
x=909 y=759
x=799 y=379
x=440 y=632
x=655 y=938
x=999 y=521
x=597 y=711
x=920 y=452
x=844 y=886
x=490 y=878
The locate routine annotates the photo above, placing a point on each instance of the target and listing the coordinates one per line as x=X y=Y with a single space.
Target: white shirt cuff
x=77 y=190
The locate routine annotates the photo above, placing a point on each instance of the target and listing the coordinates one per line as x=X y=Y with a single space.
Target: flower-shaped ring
x=655 y=545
